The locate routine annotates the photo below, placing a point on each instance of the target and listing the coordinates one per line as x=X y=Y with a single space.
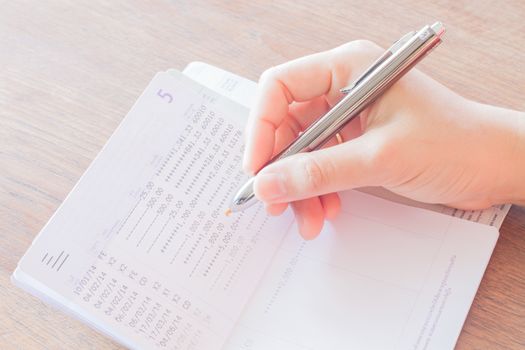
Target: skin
x=420 y=140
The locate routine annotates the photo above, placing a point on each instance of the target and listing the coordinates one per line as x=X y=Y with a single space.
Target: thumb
x=352 y=164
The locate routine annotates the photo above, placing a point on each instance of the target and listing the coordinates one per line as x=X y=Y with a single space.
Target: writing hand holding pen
x=419 y=139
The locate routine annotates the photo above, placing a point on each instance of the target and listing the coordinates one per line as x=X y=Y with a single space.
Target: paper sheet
x=141 y=247
x=381 y=276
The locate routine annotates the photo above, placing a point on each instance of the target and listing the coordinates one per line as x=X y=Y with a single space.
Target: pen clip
x=391 y=50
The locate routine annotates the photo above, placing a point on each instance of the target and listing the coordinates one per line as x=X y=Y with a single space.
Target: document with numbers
x=142 y=251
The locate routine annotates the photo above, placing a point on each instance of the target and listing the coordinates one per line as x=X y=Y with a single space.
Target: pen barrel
x=363 y=94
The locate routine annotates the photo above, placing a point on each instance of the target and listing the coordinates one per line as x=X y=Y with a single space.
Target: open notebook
x=140 y=248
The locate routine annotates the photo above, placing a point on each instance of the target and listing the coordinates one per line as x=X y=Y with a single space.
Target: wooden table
x=69 y=71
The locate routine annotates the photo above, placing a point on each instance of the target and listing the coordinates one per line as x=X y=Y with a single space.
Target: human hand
x=419 y=139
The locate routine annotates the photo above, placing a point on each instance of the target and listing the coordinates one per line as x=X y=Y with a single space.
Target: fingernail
x=270 y=187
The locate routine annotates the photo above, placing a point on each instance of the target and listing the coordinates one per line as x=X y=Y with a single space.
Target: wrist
x=508 y=128
x=519 y=164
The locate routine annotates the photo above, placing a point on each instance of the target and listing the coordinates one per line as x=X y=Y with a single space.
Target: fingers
x=321 y=74
x=298 y=80
x=360 y=162
x=310 y=218
x=300 y=116
x=331 y=205
x=290 y=97
x=309 y=214
x=276 y=209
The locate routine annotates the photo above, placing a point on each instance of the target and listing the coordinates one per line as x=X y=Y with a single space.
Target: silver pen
x=392 y=65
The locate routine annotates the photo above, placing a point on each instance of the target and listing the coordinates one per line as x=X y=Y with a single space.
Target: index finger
x=299 y=80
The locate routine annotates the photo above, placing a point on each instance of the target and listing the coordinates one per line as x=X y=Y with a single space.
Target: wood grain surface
x=70 y=70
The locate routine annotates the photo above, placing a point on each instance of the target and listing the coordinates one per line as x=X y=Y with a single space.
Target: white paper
x=381 y=276
x=141 y=246
x=243 y=91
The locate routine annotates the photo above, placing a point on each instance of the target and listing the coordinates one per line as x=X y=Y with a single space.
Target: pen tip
x=228 y=212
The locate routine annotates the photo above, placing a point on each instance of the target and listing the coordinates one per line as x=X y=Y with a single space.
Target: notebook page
x=243 y=91
x=141 y=246
x=380 y=276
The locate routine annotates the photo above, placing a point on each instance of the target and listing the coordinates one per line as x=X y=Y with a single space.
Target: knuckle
x=269 y=74
x=315 y=174
x=361 y=47
x=382 y=155
x=363 y=44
